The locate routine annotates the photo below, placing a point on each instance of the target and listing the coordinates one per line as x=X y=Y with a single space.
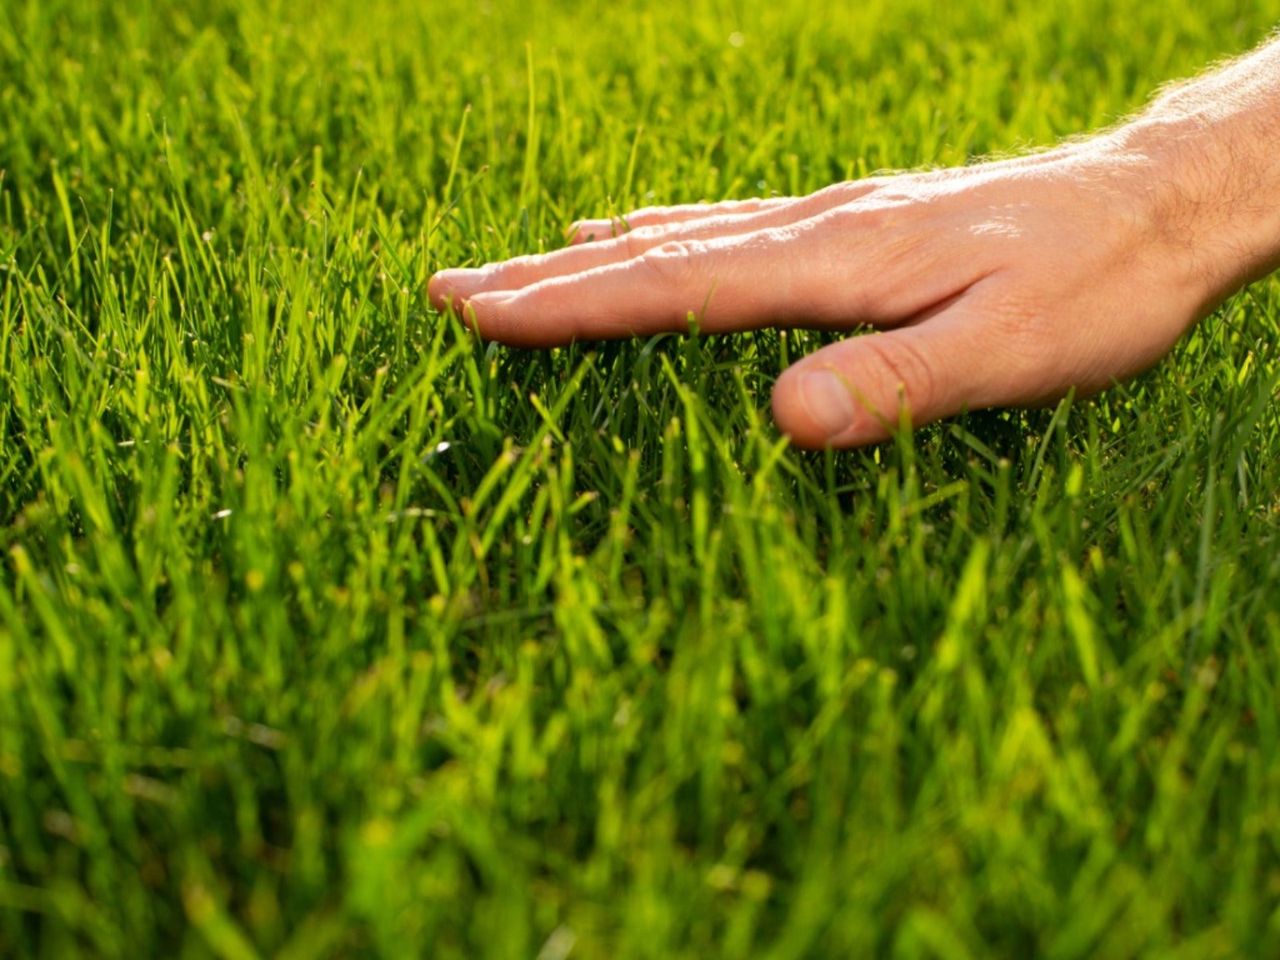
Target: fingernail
x=829 y=401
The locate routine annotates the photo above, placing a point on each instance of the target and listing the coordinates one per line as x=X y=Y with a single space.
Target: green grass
x=328 y=631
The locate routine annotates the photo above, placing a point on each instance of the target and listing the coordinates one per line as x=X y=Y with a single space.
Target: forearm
x=1214 y=147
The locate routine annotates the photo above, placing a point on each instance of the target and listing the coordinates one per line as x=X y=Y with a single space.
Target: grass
x=328 y=631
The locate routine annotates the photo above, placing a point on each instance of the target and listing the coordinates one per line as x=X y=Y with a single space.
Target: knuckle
x=640 y=240
x=516 y=269
x=887 y=204
x=911 y=372
x=675 y=264
x=651 y=232
x=849 y=190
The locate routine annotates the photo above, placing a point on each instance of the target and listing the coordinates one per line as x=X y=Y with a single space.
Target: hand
x=1000 y=284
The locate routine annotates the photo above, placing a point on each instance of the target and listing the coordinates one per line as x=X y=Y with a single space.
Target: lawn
x=327 y=630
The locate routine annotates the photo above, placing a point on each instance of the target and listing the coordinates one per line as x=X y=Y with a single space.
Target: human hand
x=999 y=284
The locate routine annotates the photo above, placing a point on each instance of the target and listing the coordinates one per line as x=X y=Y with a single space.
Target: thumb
x=856 y=391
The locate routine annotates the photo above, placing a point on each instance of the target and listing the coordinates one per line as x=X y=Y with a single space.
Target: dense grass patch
x=326 y=630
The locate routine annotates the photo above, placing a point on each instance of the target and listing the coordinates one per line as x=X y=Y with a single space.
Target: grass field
x=329 y=631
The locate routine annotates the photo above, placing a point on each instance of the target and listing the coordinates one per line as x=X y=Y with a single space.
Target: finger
x=859 y=391
x=716 y=280
x=824 y=199
x=604 y=228
x=461 y=284
x=458 y=285
x=829 y=272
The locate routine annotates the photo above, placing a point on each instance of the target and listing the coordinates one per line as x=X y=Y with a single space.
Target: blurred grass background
x=326 y=630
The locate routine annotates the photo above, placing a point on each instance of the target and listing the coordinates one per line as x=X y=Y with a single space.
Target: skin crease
x=1007 y=283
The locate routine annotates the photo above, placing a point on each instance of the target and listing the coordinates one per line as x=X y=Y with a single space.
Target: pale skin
x=1008 y=283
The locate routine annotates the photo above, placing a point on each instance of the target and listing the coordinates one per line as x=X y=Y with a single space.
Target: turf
x=329 y=631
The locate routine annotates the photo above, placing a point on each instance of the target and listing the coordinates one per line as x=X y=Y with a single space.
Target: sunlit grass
x=326 y=630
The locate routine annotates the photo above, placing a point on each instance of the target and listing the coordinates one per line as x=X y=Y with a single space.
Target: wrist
x=1208 y=157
